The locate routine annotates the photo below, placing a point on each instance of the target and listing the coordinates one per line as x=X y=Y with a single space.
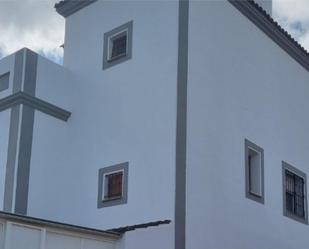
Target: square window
x=294 y=193
x=117 y=45
x=113 y=185
x=254 y=169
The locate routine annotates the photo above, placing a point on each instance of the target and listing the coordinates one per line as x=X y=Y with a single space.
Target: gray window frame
x=4 y=81
x=286 y=213
x=249 y=194
x=109 y=36
x=109 y=170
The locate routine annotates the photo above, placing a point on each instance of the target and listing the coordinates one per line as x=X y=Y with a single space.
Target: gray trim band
x=36 y=103
x=18 y=71
x=24 y=158
x=181 y=125
x=11 y=159
x=30 y=72
x=69 y=7
x=272 y=29
x=26 y=132
x=14 y=131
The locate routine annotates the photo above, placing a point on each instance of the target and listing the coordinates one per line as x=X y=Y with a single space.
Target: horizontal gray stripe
x=36 y=103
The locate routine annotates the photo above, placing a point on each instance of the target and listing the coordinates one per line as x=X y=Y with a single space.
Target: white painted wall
x=15 y=235
x=4 y=140
x=124 y=113
x=6 y=65
x=55 y=84
x=241 y=85
x=159 y=237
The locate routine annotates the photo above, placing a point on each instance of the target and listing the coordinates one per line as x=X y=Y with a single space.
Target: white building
x=184 y=120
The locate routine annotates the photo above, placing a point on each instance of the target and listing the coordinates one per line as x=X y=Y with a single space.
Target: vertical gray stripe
x=30 y=72
x=11 y=160
x=18 y=71
x=25 y=64
x=13 y=136
x=181 y=126
x=24 y=158
x=26 y=134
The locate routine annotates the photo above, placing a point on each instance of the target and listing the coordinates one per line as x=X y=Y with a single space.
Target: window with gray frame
x=113 y=185
x=294 y=193
x=254 y=170
x=4 y=81
x=118 y=45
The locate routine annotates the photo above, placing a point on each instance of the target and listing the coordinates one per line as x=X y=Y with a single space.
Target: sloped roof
x=69 y=7
x=53 y=224
x=270 y=27
x=125 y=229
x=249 y=8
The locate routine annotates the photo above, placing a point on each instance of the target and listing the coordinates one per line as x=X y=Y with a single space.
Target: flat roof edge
x=58 y=225
x=68 y=7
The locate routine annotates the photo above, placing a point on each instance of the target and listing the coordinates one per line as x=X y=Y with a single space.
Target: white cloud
x=33 y=24
x=293 y=15
x=36 y=25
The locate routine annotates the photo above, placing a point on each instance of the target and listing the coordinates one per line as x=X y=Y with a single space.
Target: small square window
x=117 y=45
x=113 y=185
x=4 y=81
x=294 y=193
x=254 y=164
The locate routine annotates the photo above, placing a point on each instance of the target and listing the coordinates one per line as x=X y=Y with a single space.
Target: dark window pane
x=299 y=207
x=119 y=46
x=295 y=199
x=114 y=185
x=249 y=168
x=299 y=186
x=289 y=202
x=289 y=182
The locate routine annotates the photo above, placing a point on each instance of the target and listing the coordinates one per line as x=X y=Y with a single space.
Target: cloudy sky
x=36 y=25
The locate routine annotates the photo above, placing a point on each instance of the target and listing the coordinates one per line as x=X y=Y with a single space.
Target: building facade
x=185 y=118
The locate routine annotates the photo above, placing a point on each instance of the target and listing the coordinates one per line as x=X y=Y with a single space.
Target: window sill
x=292 y=216
x=116 y=57
x=255 y=194
x=112 y=199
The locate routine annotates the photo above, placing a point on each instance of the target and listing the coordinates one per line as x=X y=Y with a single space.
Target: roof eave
x=69 y=7
x=58 y=225
x=266 y=23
